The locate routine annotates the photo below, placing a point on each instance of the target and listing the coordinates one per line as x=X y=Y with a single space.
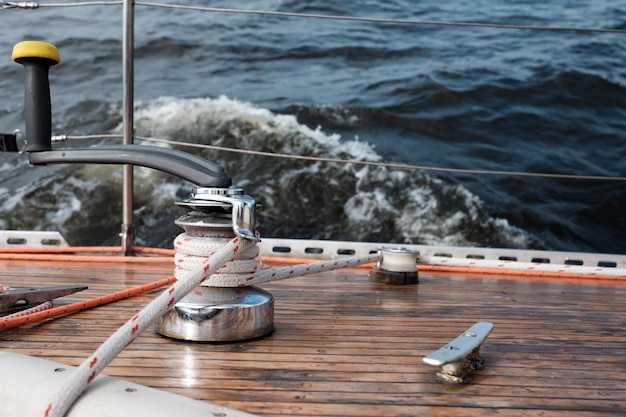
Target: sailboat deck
x=345 y=345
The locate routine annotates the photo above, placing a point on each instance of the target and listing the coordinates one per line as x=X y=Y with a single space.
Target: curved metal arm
x=186 y=166
x=37 y=57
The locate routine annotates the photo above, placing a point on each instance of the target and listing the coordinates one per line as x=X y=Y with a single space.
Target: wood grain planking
x=345 y=345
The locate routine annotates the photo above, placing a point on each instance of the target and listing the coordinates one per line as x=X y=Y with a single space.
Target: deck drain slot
x=540 y=260
x=316 y=251
x=16 y=241
x=50 y=242
x=508 y=258
x=281 y=249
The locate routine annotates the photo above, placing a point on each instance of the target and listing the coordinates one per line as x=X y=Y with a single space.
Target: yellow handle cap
x=36 y=49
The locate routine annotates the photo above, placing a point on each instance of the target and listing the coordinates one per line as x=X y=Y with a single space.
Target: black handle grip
x=37 y=58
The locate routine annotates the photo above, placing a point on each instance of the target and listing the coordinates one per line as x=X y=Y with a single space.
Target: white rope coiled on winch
x=192 y=251
x=243 y=269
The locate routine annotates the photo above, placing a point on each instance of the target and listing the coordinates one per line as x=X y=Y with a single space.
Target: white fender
x=27 y=383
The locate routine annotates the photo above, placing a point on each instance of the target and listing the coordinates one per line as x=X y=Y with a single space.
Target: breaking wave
x=299 y=198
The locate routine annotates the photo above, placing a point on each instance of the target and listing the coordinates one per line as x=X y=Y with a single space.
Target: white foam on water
x=312 y=199
x=422 y=209
x=169 y=116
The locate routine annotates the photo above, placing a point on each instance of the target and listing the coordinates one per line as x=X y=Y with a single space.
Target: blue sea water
x=472 y=98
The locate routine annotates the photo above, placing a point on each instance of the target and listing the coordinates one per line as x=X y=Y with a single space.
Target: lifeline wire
x=60 y=138
x=391 y=165
x=34 y=5
x=379 y=20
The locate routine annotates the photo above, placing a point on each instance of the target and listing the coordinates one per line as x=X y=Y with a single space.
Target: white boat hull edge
x=28 y=383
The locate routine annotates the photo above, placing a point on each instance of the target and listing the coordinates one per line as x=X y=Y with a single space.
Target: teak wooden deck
x=345 y=345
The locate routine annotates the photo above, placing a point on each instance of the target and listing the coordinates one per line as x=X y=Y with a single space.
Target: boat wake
x=299 y=198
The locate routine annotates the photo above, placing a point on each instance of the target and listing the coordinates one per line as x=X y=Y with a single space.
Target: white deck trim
x=326 y=249
x=30 y=239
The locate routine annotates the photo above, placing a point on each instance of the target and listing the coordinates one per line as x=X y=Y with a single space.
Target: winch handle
x=37 y=57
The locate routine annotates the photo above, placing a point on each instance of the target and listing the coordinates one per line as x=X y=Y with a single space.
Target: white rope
x=189 y=262
x=214 y=255
x=192 y=251
x=80 y=378
x=267 y=275
x=201 y=259
x=243 y=270
x=46 y=305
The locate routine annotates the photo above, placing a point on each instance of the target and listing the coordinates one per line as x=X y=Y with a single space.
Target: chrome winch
x=212 y=208
x=219 y=314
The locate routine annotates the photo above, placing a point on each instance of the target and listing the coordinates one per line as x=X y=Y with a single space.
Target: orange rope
x=70 y=254
x=61 y=249
x=158 y=251
x=82 y=258
x=84 y=249
x=9 y=323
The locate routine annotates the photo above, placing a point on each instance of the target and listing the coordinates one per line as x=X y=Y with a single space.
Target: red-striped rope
x=32 y=310
x=203 y=273
x=82 y=376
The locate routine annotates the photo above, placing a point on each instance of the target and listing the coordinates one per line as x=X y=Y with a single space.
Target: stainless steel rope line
x=35 y=5
x=408 y=167
x=382 y=20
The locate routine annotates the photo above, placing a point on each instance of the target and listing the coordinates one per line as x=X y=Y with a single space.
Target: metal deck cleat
x=460 y=356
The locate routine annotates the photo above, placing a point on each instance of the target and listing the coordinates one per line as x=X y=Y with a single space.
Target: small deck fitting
x=460 y=356
x=397 y=266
